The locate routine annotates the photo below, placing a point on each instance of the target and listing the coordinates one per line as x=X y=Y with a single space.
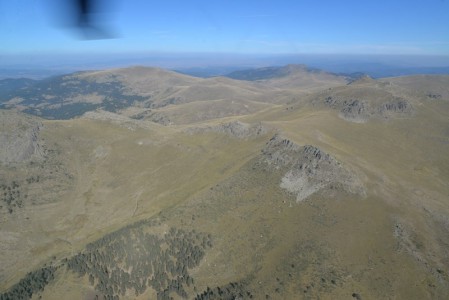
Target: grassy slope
x=261 y=232
x=330 y=246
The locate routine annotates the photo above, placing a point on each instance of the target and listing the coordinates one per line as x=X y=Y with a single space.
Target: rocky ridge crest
x=308 y=169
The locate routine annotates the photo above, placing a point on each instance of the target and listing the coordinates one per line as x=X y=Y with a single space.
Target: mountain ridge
x=71 y=95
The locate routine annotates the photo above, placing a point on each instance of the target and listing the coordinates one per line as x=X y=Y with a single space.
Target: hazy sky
x=239 y=26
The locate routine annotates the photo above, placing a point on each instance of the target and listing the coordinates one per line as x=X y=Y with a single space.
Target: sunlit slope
x=426 y=86
x=119 y=176
x=298 y=201
x=390 y=242
x=201 y=111
x=403 y=163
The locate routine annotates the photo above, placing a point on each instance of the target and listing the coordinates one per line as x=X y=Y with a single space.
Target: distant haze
x=215 y=64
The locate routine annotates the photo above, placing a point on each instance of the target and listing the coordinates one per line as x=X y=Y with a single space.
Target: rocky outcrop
x=355 y=110
x=159 y=118
x=398 y=106
x=19 y=138
x=308 y=169
x=234 y=129
x=153 y=116
x=121 y=120
x=280 y=151
x=361 y=110
x=367 y=99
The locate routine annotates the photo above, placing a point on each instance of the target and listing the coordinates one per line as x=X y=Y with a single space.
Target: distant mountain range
x=71 y=95
x=270 y=72
x=162 y=96
x=220 y=64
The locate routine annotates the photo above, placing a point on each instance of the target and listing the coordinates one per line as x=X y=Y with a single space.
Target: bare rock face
x=280 y=152
x=234 y=129
x=309 y=169
x=19 y=138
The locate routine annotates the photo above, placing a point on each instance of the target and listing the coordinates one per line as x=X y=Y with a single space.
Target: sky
x=232 y=26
